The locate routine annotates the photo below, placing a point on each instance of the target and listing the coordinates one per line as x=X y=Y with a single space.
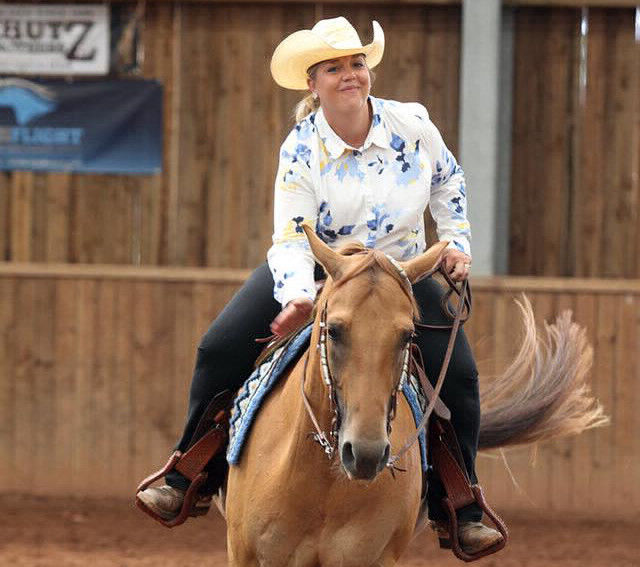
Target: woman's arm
x=290 y=258
x=448 y=204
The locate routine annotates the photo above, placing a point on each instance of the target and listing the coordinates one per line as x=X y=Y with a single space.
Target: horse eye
x=334 y=332
x=407 y=337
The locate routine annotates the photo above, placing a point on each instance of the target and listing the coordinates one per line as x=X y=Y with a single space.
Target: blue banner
x=105 y=126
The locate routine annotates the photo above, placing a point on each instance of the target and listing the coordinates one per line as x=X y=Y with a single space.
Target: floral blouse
x=376 y=194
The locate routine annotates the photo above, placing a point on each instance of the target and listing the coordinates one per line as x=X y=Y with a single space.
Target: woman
x=359 y=168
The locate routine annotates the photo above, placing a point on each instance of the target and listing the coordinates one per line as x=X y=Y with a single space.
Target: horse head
x=366 y=313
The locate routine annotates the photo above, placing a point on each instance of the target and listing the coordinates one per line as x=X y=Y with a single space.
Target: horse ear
x=330 y=260
x=420 y=264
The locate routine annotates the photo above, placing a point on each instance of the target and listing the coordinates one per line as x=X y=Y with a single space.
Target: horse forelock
x=374 y=262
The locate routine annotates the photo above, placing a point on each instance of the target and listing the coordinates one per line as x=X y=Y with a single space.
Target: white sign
x=54 y=39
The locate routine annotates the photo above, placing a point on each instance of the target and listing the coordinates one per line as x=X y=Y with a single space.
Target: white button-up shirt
x=376 y=194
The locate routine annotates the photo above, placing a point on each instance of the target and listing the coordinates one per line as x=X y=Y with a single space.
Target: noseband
x=329 y=442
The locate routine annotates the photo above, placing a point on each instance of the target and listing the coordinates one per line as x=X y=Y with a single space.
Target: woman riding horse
x=358 y=168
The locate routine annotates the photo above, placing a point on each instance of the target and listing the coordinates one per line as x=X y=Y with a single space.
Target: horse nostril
x=348 y=458
x=385 y=456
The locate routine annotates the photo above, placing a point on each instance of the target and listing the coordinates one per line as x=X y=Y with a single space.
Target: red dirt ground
x=48 y=532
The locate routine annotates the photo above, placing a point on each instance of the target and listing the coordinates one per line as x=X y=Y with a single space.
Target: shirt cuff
x=459 y=243
x=292 y=291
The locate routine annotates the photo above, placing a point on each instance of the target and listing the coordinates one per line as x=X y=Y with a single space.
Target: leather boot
x=166 y=501
x=474 y=536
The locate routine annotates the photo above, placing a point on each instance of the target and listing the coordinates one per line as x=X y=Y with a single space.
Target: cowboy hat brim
x=303 y=49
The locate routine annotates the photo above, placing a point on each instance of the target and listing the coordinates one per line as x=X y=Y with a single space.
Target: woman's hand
x=295 y=313
x=457 y=264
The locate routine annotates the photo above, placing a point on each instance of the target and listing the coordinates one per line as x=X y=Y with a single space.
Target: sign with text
x=95 y=126
x=54 y=39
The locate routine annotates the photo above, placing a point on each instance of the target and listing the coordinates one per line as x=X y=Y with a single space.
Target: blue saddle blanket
x=257 y=387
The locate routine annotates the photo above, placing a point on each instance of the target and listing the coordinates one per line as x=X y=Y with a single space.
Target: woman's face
x=342 y=84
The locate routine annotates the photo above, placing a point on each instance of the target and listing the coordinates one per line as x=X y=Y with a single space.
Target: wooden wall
x=576 y=146
x=224 y=119
x=576 y=150
x=95 y=366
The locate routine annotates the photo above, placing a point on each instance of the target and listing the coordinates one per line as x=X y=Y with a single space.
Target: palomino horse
x=288 y=505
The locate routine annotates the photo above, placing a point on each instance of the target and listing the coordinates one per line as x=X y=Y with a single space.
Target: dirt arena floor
x=53 y=532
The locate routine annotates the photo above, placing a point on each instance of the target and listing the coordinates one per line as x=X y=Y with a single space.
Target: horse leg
x=237 y=555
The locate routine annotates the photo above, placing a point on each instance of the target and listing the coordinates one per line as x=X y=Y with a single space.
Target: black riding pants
x=228 y=351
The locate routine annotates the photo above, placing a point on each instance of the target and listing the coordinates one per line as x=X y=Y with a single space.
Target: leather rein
x=461 y=314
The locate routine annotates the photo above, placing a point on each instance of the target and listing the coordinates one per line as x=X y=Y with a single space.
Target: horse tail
x=543 y=393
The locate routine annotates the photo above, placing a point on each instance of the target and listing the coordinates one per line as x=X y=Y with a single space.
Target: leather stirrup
x=210 y=437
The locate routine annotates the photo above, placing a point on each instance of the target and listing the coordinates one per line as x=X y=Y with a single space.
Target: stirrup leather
x=447 y=460
x=210 y=437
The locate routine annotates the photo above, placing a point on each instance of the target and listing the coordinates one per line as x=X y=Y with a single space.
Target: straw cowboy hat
x=328 y=39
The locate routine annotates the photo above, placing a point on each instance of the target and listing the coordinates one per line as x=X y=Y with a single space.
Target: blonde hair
x=309 y=103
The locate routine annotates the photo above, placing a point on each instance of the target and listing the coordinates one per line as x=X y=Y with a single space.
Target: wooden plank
x=621 y=206
x=480 y=334
x=8 y=303
x=584 y=491
x=604 y=369
x=238 y=44
x=589 y=190
x=67 y=335
x=95 y=271
x=144 y=365
x=562 y=481
x=626 y=401
x=222 y=275
x=58 y=200
x=159 y=384
x=26 y=406
x=634 y=376
x=103 y=381
x=186 y=336
x=497 y=478
x=524 y=215
x=123 y=427
x=553 y=174
x=266 y=32
x=85 y=438
x=156 y=209
x=21 y=216
x=44 y=384
x=197 y=25
x=543 y=468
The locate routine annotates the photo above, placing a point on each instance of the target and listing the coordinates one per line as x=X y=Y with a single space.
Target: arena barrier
x=95 y=365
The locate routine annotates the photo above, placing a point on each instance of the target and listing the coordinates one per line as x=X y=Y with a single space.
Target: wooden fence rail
x=95 y=365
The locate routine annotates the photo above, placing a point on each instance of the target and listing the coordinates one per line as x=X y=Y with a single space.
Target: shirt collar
x=378 y=133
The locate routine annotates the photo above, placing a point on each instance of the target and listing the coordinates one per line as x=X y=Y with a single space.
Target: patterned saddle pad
x=249 y=400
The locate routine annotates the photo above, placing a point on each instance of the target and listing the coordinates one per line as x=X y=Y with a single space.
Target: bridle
x=329 y=442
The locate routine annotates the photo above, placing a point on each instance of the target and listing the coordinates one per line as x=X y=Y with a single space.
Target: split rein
x=459 y=316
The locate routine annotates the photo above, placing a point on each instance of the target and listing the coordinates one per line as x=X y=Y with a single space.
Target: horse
x=287 y=504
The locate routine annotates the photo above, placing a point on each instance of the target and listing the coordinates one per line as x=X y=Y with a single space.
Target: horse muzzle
x=363 y=460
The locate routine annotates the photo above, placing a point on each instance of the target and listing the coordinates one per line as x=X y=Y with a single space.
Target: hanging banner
x=90 y=126
x=54 y=39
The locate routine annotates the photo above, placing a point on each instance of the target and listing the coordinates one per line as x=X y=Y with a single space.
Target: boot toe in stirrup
x=476 y=537
x=165 y=500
